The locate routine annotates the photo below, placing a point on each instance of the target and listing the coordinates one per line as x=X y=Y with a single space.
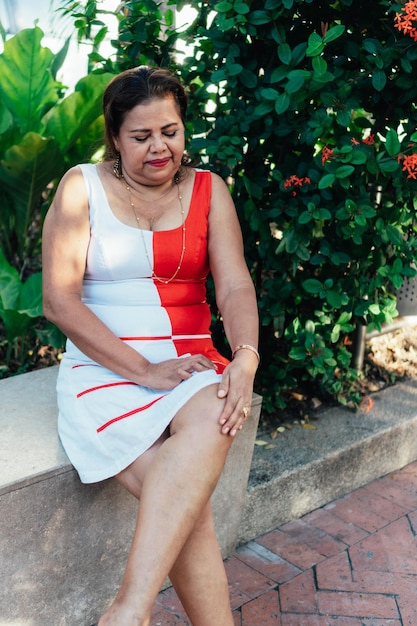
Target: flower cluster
x=294 y=182
x=406 y=20
x=409 y=165
x=327 y=154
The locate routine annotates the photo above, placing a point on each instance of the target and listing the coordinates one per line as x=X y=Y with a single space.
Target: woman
x=143 y=395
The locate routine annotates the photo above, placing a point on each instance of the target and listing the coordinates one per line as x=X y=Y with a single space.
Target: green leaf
x=326 y=181
x=388 y=165
x=358 y=157
x=248 y=78
x=60 y=58
x=25 y=69
x=241 y=8
x=305 y=218
x=263 y=108
x=343 y=171
x=30 y=297
x=297 y=353
x=334 y=33
x=379 y=80
x=26 y=170
x=282 y=103
x=169 y=17
x=312 y=285
x=394 y=235
x=70 y=119
x=284 y=53
x=233 y=69
x=9 y=283
x=392 y=143
x=223 y=7
x=269 y=93
x=258 y=17
x=319 y=65
x=295 y=82
x=334 y=299
x=315 y=45
x=372 y=46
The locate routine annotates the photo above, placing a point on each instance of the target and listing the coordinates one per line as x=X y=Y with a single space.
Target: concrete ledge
x=309 y=468
x=63 y=545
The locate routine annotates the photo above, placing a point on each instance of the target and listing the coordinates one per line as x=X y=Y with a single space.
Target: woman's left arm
x=236 y=300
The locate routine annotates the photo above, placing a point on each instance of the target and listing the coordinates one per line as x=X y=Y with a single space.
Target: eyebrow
x=148 y=130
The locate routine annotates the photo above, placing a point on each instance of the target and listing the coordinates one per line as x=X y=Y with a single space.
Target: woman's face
x=151 y=141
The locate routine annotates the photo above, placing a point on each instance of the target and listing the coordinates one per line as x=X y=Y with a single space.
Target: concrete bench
x=63 y=545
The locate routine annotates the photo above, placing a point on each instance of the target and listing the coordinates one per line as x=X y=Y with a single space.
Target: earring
x=117 y=167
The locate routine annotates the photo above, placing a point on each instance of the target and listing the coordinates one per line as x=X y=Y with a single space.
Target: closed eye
x=166 y=134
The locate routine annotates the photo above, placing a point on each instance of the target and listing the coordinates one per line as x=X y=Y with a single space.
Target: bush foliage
x=42 y=133
x=307 y=109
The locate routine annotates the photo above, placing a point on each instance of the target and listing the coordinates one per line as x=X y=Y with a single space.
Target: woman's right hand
x=169 y=374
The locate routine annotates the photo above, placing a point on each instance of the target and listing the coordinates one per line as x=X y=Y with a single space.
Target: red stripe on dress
x=161 y=338
x=120 y=417
x=103 y=387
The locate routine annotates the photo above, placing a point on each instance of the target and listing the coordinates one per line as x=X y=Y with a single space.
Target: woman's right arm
x=66 y=236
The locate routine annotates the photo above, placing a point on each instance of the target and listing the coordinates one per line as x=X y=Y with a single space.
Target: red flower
x=406 y=20
x=370 y=140
x=294 y=181
x=410 y=165
x=326 y=154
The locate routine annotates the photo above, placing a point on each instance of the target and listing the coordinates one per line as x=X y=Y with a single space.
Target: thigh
x=133 y=475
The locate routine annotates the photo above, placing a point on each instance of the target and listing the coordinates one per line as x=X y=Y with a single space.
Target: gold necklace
x=165 y=281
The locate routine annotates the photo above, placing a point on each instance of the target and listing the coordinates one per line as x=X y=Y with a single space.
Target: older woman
x=143 y=394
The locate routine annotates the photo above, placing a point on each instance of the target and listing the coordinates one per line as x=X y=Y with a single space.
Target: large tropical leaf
x=27 y=87
x=9 y=283
x=26 y=170
x=20 y=303
x=71 y=118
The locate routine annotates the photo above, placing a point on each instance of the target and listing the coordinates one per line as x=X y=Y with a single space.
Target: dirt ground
x=395 y=351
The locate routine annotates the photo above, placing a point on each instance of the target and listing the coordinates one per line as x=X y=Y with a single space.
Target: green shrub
x=42 y=133
x=308 y=109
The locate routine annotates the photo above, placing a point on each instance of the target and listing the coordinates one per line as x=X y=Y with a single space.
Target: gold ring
x=246 y=410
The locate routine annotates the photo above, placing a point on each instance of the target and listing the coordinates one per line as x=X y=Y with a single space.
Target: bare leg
x=198 y=574
x=200 y=579
x=176 y=488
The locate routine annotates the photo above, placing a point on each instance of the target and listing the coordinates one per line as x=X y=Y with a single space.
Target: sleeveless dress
x=105 y=421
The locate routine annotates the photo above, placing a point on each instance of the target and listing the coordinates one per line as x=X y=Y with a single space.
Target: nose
x=158 y=144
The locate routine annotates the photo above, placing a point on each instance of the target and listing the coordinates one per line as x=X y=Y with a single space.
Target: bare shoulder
x=71 y=194
x=222 y=204
x=218 y=184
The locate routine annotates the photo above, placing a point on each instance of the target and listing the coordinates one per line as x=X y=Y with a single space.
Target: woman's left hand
x=236 y=387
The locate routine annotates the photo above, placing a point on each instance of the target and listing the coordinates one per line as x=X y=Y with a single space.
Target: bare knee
x=201 y=413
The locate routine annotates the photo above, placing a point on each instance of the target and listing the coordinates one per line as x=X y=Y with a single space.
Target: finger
x=237 y=419
x=224 y=385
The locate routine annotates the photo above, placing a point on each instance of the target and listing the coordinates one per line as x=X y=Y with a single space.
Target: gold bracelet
x=246 y=346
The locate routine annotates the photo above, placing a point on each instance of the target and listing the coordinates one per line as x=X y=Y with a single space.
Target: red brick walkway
x=350 y=563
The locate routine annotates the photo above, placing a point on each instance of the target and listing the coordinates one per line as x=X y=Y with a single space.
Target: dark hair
x=136 y=86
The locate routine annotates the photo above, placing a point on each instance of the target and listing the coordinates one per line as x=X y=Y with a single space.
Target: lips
x=159 y=162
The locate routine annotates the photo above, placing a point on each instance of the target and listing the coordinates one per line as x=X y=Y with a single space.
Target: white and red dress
x=105 y=421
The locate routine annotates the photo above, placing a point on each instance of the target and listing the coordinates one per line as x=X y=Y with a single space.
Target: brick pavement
x=351 y=563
